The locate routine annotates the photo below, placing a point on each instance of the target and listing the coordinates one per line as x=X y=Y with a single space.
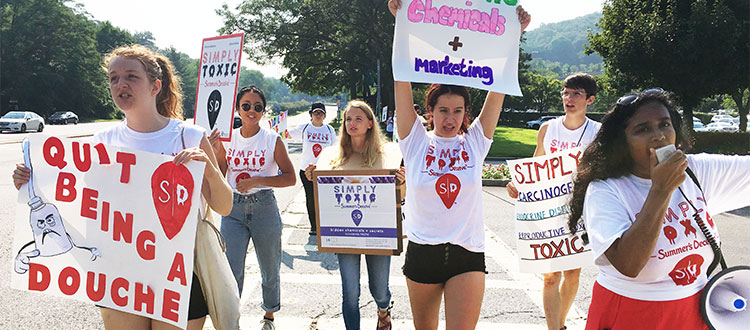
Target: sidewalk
x=311 y=284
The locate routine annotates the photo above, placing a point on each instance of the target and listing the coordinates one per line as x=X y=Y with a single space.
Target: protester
x=362 y=147
x=639 y=215
x=445 y=253
x=315 y=137
x=143 y=84
x=572 y=130
x=389 y=128
x=252 y=163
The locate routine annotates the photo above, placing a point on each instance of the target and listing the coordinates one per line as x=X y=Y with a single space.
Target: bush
x=722 y=143
x=499 y=171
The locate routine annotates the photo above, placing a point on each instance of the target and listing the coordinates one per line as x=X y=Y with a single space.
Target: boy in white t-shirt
x=315 y=137
x=572 y=130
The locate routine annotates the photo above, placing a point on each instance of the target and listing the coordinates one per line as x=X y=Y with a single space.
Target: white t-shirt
x=678 y=264
x=253 y=156
x=444 y=186
x=166 y=141
x=558 y=137
x=314 y=140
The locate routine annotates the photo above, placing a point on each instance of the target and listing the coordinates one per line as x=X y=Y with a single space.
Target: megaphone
x=724 y=299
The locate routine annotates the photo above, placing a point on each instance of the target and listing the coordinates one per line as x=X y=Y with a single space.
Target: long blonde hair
x=374 y=139
x=158 y=66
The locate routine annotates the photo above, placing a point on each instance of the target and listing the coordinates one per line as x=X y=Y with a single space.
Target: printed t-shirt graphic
x=314 y=140
x=251 y=157
x=677 y=267
x=444 y=186
x=558 y=137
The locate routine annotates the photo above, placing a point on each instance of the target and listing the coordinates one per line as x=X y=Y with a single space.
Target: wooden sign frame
x=359 y=173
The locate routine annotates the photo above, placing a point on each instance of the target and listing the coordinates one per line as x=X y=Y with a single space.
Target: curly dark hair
x=608 y=157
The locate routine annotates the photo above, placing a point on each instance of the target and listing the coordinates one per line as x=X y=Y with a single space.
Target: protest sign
x=218 y=75
x=471 y=43
x=358 y=212
x=544 y=184
x=278 y=124
x=107 y=225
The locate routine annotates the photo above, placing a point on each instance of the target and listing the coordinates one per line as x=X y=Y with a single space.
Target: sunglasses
x=246 y=107
x=630 y=98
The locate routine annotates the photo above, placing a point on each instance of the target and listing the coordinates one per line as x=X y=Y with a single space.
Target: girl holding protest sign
x=315 y=136
x=572 y=130
x=362 y=146
x=445 y=254
x=143 y=84
x=255 y=161
x=648 y=222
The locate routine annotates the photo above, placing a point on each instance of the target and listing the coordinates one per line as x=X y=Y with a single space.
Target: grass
x=513 y=142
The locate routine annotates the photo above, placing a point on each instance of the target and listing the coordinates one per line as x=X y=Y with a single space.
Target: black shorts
x=433 y=264
x=197 y=307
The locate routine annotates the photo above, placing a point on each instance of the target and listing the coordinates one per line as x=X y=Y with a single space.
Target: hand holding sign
x=475 y=44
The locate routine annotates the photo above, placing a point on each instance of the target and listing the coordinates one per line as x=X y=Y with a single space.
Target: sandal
x=384 y=318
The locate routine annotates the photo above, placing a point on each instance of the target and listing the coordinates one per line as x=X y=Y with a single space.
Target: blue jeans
x=256 y=216
x=378 y=270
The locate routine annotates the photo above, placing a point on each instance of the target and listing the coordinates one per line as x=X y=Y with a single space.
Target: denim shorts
x=433 y=264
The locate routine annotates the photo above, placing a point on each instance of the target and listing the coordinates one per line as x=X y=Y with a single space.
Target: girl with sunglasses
x=254 y=161
x=641 y=215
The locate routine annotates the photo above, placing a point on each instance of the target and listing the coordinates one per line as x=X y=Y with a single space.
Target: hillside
x=563 y=41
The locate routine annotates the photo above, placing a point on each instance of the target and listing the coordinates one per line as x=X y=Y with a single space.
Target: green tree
x=694 y=48
x=187 y=70
x=109 y=37
x=329 y=46
x=145 y=38
x=50 y=60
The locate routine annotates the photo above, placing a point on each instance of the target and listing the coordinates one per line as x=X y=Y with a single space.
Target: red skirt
x=612 y=311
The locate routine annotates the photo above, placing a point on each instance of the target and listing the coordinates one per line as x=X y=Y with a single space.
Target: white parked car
x=20 y=121
x=699 y=127
x=716 y=118
x=721 y=127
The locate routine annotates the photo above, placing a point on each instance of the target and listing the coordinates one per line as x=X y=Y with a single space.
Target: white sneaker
x=267 y=324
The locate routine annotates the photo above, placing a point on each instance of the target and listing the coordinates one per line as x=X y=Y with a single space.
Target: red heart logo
x=172 y=192
x=241 y=176
x=447 y=187
x=316 y=150
x=687 y=270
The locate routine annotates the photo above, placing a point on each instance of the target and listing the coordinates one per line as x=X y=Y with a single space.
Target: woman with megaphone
x=647 y=213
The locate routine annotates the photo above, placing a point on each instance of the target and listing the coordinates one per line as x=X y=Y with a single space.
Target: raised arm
x=404 y=108
x=493 y=104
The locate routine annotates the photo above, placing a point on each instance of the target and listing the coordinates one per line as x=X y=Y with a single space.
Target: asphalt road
x=310 y=280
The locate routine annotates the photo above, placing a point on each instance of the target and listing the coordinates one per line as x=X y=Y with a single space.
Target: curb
x=494 y=182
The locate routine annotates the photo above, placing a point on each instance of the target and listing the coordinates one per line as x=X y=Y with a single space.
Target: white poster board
x=545 y=185
x=467 y=43
x=218 y=75
x=109 y=226
x=358 y=212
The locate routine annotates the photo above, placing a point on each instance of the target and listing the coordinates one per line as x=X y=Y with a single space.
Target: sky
x=184 y=24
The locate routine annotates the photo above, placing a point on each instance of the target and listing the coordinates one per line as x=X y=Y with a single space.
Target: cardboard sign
x=358 y=212
x=108 y=225
x=544 y=243
x=468 y=43
x=218 y=75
